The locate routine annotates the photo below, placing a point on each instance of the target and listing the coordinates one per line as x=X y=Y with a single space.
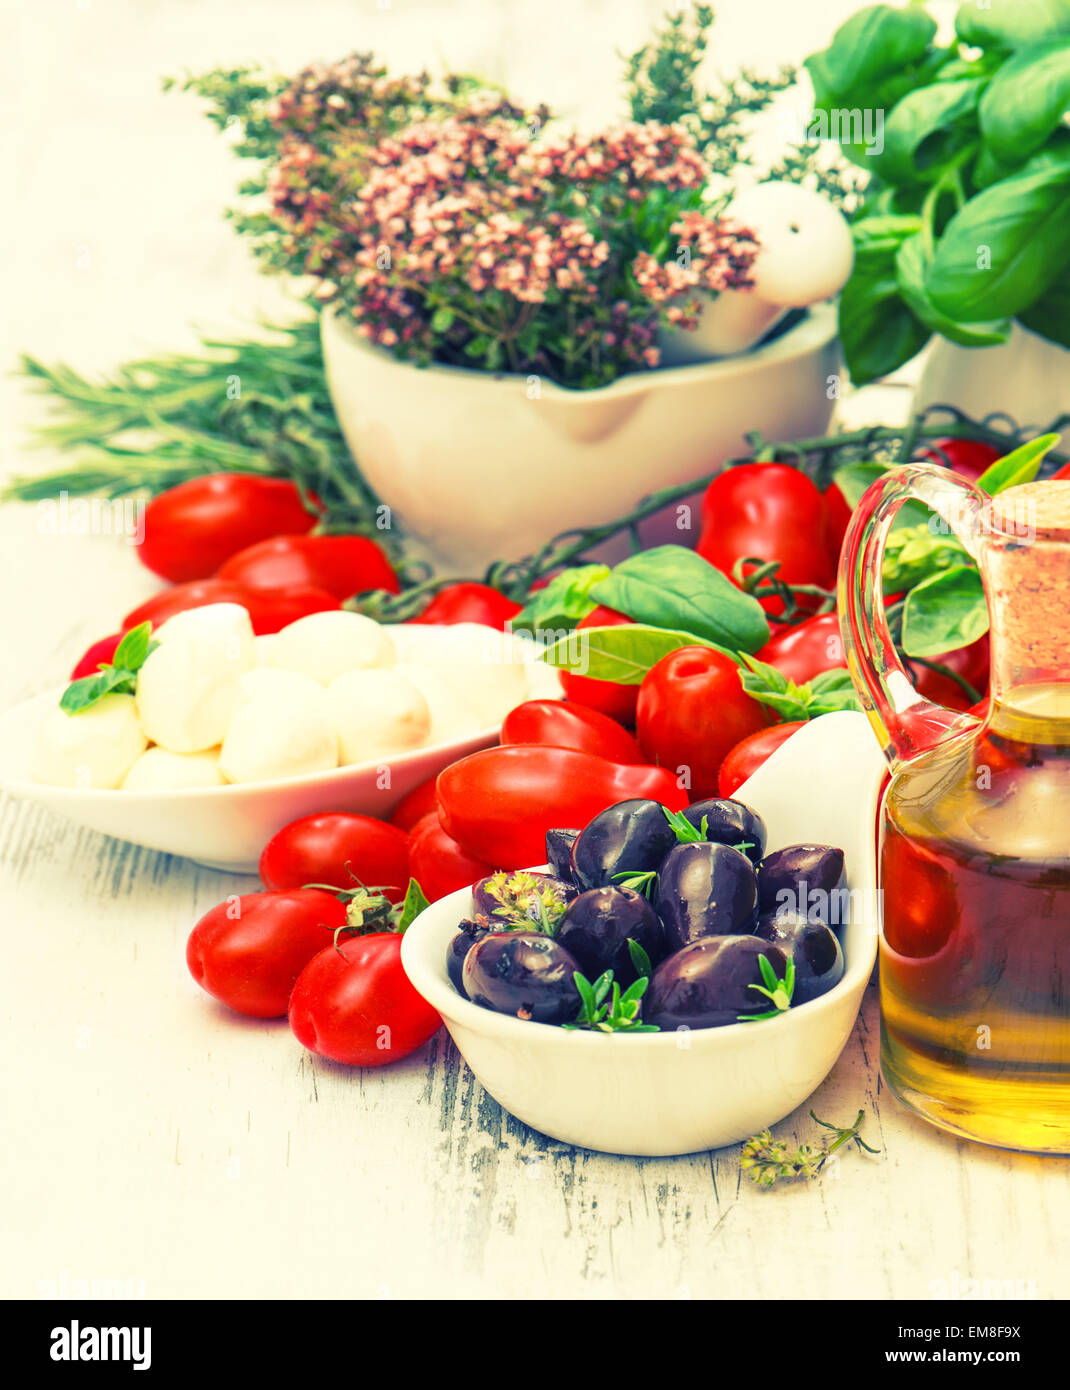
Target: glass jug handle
x=905 y=722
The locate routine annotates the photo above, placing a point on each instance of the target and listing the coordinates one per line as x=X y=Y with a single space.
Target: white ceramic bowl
x=227 y=827
x=482 y=467
x=674 y=1093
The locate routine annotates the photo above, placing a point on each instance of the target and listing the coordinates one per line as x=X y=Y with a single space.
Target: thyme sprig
x=768 y=1160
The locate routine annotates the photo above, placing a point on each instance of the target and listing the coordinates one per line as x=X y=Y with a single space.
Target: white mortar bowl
x=481 y=467
x=676 y=1093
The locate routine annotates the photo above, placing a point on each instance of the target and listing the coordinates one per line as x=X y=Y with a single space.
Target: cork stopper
x=1026 y=563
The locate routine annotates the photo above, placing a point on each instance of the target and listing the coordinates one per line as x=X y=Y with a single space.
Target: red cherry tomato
x=248 y=952
x=438 y=863
x=343 y=565
x=616 y=701
x=839 y=515
x=692 y=711
x=356 y=1005
x=748 y=755
x=191 y=529
x=969 y=458
x=806 y=649
x=339 y=849
x=269 y=609
x=500 y=803
x=773 y=512
x=469 y=603
x=565 y=725
x=99 y=654
x=420 y=802
x=1063 y=473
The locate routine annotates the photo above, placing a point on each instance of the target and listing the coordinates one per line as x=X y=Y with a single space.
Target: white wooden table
x=156 y=1145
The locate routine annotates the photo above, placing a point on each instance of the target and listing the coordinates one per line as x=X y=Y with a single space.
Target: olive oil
x=975 y=948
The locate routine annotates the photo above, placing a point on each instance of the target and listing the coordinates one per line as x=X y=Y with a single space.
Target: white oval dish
x=676 y=1093
x=227 y=827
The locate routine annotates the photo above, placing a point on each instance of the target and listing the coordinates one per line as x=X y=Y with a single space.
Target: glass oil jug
x=975 y=826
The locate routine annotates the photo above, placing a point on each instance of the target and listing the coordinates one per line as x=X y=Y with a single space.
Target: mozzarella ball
x=492 y=667
x=188 y=689
x=262 y=648
x=95 y=748
x=281 y=687
x=268 y=739
x=376 y=713
x=453 y=715
x=325 y=645
x=159 y=770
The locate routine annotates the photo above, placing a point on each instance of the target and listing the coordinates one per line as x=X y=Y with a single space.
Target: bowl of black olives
x=671 y=981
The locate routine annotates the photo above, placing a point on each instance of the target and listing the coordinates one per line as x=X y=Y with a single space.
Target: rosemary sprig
x=768 y=1160
x=639 y=882
x=778 y=991
x=605 y=1009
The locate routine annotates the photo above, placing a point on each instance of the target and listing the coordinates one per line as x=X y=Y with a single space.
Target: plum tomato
x=729 y=822
x=438 y=863
x=632 y=837
x=705 y=889
x=813 y=947
x=249 y=951
x=412 y=808
x=191 y=529
x=269 y=609
x=559 y=852
x=516 y=898
x=563 y=724
x=768 y=511
x=467 y=935
x=805 y=649
x=354 y=1004
x=749 y=753
x=692 y=711
x=343 y=565
x=470 y=603
x=597 y=926
x=498 y=804
x=711 y=982
x=607 y=697
x=95 y=656
x=339 y=849
x=525 y=974
x=790 y=877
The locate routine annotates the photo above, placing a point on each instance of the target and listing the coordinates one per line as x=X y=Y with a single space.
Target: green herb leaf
x=639 y=958
x=564 y=601
x=913 y=553
x=621 y=654
x=1011 y=23
x=912 y=265
x=415 y=902
x=619 y=1015
x=1020 y=466
x=134 y=648
x=878 y=330
x=825 y=694
x=1027 y=100
x=675 y=588
x=944 y=612
x=638 y=882
x=923 y=121
x=117 y=678
x=875 y=43
x=685 y=832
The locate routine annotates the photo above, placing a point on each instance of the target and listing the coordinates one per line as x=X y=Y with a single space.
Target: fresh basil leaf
x=999 y=252
x=920 y=131
x=881 y=236
x=825 y=694
x=135 y=647
x=913 y=553
x=1050 y=315
x=877 y=329
x=1020 y=466
x=876 y=42
x=564 y=601
x=620 y=654
x=414 y=904
x=673 y=587
x=945 y=612
x=911 y=268
x=988 y=170
x=1012 y=23
x=80 y=694
x=1027 y=100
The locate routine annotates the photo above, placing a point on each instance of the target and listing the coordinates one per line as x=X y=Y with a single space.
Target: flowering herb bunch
x=478 y=238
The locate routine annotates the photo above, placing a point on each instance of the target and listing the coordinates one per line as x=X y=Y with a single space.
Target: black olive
x=458 y=948
x=596 y=927
x=525 y=974
x=730 y=823
x=813 y=947
x=800 y=878
x=631 y=837
x=559 y=852
x=517 y=899
x=705 y=890
x=708 y=984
